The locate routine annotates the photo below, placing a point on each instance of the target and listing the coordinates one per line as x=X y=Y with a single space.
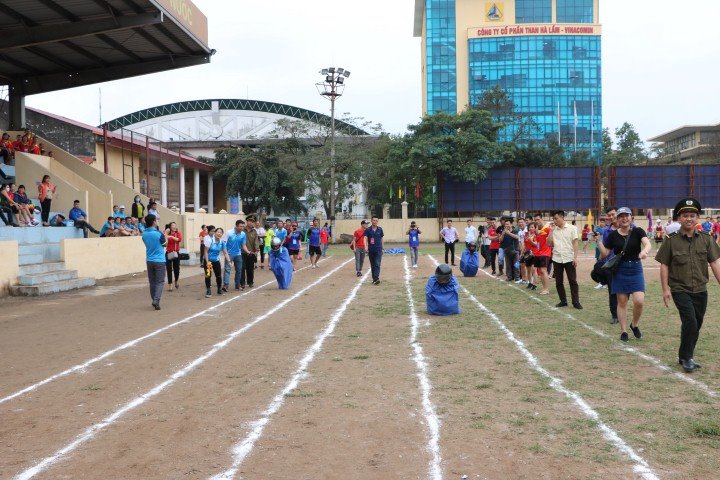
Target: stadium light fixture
x=332 y=88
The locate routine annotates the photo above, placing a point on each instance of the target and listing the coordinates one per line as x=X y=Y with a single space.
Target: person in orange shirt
x=358 y=245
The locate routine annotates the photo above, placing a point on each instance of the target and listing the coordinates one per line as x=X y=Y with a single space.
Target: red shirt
x=323 y=236
x=494 y=244
x=172 y=245
x=359 y=236
x=544 y=250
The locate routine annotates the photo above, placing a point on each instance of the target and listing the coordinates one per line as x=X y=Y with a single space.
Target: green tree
x=258 y=177
x=497 y=101
x=306 y=147
x=630 y=147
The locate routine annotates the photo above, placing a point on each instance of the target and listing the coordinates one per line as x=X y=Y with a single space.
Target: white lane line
x=640 y=465
x=431 y=419
x=242 y=449
x=91 y=431
x=82 y=366
x=705 y=388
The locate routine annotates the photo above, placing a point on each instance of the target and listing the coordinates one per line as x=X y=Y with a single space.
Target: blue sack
x=442 y=299
x=469 y=263
x=282 y=267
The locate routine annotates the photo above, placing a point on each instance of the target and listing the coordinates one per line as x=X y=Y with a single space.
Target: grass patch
x=299 y=394
x=483 y=386
x=361 y=357
x=93 y=388
x=705 y=429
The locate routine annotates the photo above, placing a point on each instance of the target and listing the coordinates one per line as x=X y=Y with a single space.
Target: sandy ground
x=356 y=412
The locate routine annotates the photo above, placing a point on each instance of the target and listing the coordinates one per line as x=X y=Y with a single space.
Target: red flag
x=418 y=190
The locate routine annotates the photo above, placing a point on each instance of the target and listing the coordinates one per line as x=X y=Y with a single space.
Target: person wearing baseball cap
x=358 y=246
x=631 y=244
x=684 y=257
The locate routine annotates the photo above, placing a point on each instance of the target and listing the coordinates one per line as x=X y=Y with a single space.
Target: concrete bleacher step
x=50 y=252
x=52 y=287
x=30 y=259
x=47 y=277
x=36 y=268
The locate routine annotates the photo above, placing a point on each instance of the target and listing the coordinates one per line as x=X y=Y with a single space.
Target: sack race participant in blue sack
x=470 y=260
x=281 y=264
x=442 y=292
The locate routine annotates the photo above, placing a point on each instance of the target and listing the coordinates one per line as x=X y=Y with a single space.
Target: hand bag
x=172 y=255
x=612 y=265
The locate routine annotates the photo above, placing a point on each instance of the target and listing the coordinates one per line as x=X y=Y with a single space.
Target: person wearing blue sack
x=470 y=260
x=280 y=264
x=413 y=242
x=442 y=292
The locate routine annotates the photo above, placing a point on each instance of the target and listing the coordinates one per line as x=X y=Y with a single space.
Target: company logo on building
x=494 y=11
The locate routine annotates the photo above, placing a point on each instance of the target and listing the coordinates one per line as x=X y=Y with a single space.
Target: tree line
x=294 y=164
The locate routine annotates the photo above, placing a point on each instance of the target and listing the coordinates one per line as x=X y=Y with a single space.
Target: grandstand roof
x=231 y=104
x=48 y=45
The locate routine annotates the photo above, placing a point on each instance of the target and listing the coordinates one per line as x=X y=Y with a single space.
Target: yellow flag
x=590 y=218
x=399 y=192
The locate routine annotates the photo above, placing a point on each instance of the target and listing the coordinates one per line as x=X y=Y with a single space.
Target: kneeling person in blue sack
x=470 y=260
x=281 y=264
x=442 y=292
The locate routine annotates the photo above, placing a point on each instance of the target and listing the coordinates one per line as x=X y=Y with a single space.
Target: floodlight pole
x=332 y=88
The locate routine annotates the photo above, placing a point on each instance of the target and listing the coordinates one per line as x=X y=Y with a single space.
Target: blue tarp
x=282 y=267
x=469 y=263
x=394 y=251
x=442 y=299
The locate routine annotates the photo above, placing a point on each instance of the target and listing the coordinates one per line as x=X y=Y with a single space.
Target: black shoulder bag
x=612 y=265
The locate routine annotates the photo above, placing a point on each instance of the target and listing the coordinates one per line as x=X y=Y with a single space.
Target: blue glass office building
x=544 y=53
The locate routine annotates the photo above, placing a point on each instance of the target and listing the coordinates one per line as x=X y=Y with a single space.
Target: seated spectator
x=132 y=227
x=79 y=218
x=121 y=212
x=7 y=215
x=34 y=147
x=116 y=210
x=21 y=213
x=7 y=152
x=58 y=220
x=17 y=144
x=108 y=228
x=121 y=227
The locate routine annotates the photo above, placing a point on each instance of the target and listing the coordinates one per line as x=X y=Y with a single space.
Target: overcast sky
x=661 y=63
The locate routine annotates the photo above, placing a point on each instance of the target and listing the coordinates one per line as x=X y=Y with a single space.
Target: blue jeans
x=238 y=262
x=414 y=255
x=375 y=257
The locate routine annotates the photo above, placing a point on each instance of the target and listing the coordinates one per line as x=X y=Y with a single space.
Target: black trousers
x=692 y=307
x=85 y=226
x=217 y=270
x=248 y=273
x=510 y=258
x=173 y=266
x=45 y=213
x=492 y=255
x=612 y=298
x=484 y=254
x=571 y=272
x=450 y=247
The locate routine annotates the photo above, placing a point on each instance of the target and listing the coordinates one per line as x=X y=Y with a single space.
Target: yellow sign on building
x=494 y=11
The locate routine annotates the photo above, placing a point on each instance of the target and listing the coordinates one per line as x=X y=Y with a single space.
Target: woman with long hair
x=46 y=192
x=172 y=254
x=215 y=248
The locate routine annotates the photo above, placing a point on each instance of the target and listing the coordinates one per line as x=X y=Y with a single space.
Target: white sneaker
x=415 y=266
x=598 y=286
x=518 y=281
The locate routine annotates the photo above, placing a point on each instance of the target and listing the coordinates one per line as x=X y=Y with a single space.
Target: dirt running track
x=356 y=413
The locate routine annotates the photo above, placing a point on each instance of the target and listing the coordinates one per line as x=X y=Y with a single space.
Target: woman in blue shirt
x=216 y=248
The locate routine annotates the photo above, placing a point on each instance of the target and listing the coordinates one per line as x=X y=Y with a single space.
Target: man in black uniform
x=684 y=257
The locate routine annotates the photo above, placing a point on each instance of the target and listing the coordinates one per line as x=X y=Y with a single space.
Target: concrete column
x=196 y=189
x=211 y=194
x=182 y=189
x=16 y=110
x=404 y=210
x=163 y=183
x=386 y=211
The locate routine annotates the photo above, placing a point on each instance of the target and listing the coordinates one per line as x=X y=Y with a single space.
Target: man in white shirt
x=522 y=231
x=564 y=239
x=672 y=227
x=450 y=236
x=471 y=233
